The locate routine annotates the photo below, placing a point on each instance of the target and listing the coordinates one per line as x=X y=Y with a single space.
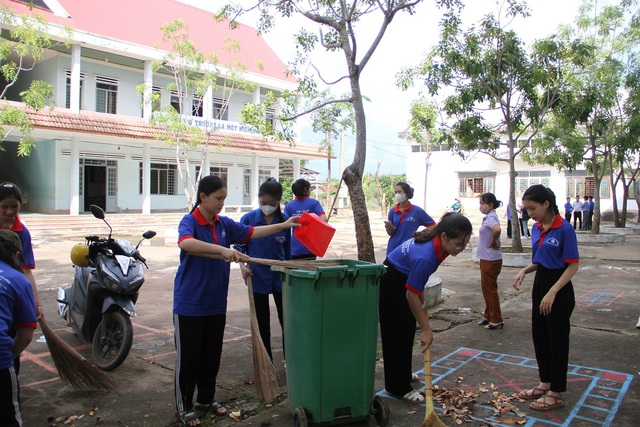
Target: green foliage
x=19 y=52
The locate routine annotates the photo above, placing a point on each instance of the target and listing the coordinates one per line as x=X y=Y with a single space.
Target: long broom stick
x=72 y=367
x=303 y=264
x=430 y=417
x=265 y=377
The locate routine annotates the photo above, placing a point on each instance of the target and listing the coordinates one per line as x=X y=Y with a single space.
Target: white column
x=256 y=95
x=74 y=93
x=207 y=104
x=74 y=185
x=296 y=168
x=147 y=111
x=255 y=176
x=146 y=179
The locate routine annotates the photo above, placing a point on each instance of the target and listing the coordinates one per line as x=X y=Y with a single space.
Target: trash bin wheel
x=380 y=411
x=300 y=418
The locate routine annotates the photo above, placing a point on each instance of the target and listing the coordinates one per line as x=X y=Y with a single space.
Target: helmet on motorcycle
x=80 y=255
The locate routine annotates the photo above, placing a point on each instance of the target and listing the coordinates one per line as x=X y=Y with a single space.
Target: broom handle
x=427 y=378
x=309 y=264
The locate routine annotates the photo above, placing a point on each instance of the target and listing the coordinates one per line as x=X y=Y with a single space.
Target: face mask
x=268 y=209
x=400 y=198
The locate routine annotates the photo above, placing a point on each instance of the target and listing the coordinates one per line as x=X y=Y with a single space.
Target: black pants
x=524 y=228
x=577 y=215
x=9 y=391
x=263 y=315
x=567 y=216
x=397 y=331
x=198 y=352
x=589 y=222
x=551 y=333
x=509 y=229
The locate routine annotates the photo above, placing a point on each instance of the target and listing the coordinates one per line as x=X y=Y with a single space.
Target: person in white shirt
x=577 y=213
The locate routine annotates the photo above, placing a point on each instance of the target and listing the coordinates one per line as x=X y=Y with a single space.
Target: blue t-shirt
x=27 y=249
x=555 y=247
x=17 y=309
x=201 y=285
x=406 y=222
x=277 y=246
x=592 y=205
x=297 y=207
x=568 y=207
x=418 y=261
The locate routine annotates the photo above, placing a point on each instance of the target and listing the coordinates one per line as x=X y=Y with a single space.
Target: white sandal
x=414 y=396
x=415 y=378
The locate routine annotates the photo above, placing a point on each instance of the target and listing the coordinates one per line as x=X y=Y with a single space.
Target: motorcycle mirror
x=149 y=234
x=97 y=211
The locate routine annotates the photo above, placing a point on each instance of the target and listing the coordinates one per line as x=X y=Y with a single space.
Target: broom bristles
x=432 y=420
x=72 y=367
x=265 y=376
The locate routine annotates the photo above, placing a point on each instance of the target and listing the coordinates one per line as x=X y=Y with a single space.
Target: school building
x=97 y=145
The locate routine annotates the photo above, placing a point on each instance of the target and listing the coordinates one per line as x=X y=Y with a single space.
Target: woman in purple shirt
x=490 y=255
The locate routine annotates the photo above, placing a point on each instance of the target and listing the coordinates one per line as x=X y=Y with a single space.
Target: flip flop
x=190 y=418
x=532 y=394
x=545 y=406
x=415 y=378
x=215 y=408
x=414 y=396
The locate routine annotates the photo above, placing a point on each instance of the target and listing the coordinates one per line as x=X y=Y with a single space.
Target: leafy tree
x=502 y=90
x=338 y=22
x=194 y=73
x=20 y=50
x=588 y=121
x=331 y=120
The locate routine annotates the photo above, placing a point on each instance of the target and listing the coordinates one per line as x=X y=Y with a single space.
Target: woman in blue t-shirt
x=302 y=203
x=17 y=313
x=409 y=267
x=555 y=260
x=200 y=295
x=277 y=246
x=404 y=219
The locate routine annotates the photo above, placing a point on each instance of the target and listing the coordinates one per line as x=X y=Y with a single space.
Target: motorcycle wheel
x=110 y=350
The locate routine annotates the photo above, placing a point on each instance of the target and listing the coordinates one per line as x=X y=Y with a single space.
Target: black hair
x=9 y=189
x=209 y=184
x=490 y=199
x=539 y=193
x=8 y=250
x=273 y=188
x=452 y=224
x=407 y=189
x=299 y=186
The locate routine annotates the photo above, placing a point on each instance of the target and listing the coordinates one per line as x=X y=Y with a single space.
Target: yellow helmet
x=80 y=255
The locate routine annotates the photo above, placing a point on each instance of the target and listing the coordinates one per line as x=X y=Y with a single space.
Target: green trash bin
x=331 y=336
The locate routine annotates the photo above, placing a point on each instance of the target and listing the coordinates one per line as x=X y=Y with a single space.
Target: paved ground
x=604 y=347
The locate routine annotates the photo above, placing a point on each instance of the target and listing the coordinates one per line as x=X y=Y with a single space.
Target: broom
x=430 y=417
x=303 y=264
x=72 y=367
x=265 y=377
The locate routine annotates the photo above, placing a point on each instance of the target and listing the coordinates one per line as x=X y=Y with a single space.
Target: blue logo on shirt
x=552 y=241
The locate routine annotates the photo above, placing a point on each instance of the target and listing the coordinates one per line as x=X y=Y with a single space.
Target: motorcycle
x=99 y=304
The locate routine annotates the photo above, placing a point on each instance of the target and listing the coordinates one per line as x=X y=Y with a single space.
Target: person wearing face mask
x=276 y=246
x=302 y=203
x=404 y=219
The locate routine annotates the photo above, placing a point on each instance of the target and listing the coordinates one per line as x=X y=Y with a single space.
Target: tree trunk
x=352 y=175
x=516 y=230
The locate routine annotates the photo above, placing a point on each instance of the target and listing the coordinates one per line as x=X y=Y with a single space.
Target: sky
x=404 y=44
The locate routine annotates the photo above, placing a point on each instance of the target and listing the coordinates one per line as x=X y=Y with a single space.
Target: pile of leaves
x=460 y=404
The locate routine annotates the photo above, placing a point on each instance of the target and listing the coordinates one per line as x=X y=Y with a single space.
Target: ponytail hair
x=490 y=199
x=452 y=224
x=406 y=188
x=539 y=193
x=209 y=184
x=299 y=186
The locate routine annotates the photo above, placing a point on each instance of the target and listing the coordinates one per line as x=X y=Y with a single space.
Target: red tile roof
x=86 y=122
x=139 y=22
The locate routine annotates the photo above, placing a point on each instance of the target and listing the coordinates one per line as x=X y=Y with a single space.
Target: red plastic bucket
x=314 y=233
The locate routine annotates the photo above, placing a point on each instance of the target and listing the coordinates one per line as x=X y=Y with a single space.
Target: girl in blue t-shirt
x=302 y=203
x=404 y=219
x=17 y=313
x=200 y=295
x=555 y=260
x=277 y=246
x=409 y=267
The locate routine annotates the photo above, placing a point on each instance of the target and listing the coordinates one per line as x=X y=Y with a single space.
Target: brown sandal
x=533 y=393
x=545 y=406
